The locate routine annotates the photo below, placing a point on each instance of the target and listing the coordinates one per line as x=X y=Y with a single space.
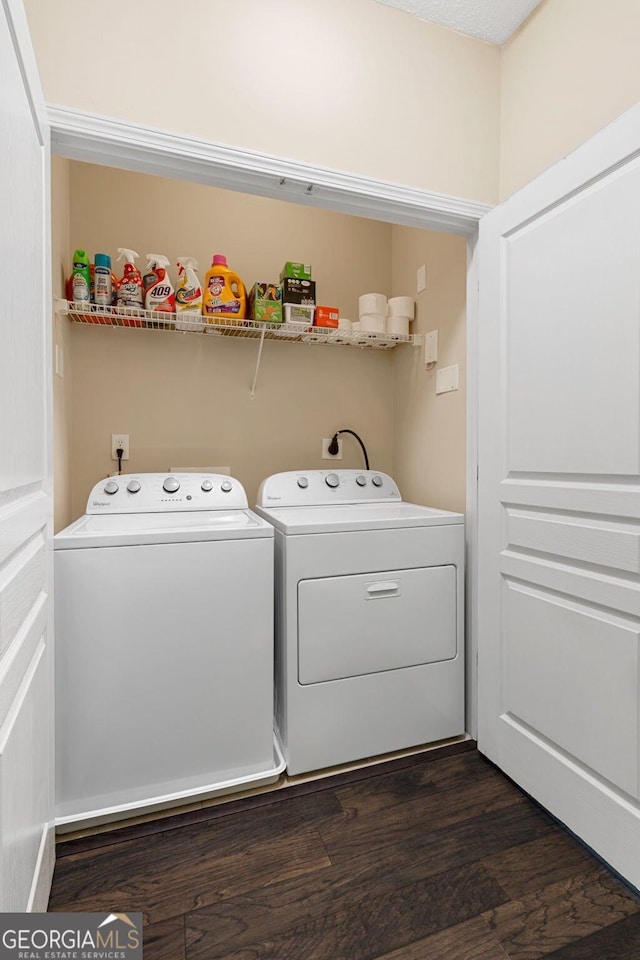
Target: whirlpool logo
x=71 y=936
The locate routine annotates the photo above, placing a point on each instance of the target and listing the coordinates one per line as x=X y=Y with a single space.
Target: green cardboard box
x=296 y=271
x=265 y=303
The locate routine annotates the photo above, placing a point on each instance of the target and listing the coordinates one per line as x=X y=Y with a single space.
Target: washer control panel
x=318 y=487
x=166 y=492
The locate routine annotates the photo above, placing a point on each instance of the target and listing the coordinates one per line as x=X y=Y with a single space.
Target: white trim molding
x=117 y=143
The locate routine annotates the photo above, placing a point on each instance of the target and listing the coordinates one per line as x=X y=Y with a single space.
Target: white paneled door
x=26 y=707
x=559 y=491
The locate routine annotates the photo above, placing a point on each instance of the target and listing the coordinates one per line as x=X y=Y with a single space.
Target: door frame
x=77 y=135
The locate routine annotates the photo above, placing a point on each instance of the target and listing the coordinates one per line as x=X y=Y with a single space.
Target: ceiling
x=490 y=20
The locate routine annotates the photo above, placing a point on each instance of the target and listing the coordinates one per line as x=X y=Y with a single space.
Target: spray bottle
x=158 y=290
x=81 y=277
x=188 y=295
x=130 y=298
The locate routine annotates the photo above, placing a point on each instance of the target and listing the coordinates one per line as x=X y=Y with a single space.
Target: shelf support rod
x=255 y=376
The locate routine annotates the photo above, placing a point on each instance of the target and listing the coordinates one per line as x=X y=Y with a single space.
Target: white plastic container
x=372 y=322
x=372 y=303
x=294 y=313
x=402 y=307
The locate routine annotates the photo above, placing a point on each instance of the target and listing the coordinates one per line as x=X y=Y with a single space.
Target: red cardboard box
x=326 y=317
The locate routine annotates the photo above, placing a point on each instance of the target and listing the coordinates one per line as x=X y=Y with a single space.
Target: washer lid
x=356 y=516
x=141 y=528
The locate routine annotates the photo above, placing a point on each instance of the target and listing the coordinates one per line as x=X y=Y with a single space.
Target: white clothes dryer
x=369 y=617
x=164 y=647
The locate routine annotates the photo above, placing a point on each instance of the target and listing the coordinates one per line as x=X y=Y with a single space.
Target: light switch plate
x=421 y=279
x=59 y=361
x=447 y=379
x=431 y=347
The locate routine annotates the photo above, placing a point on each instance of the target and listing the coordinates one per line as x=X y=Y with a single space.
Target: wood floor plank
x=353 y=835
x=170 y=874
x=445 y=860
x=471 y=940
x=164 y=940
x=162 y=888
x=367 y=927
x=269 y=912
x=619 y=941
x=381 y=792
x=563 y=912
x=532 y=866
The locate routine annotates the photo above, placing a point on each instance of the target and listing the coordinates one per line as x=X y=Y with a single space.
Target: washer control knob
x=133 y=486
x=361 y=480
x=303 y=483
x=207 y=486
x=226 y=486
x=111 y=487
x=171 y=485
x=332 y=480
x=376 y=481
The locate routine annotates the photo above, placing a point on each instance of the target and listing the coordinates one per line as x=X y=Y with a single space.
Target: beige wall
x=348 y=84
x=62 y=427
x=571 y=69
x=429 y=430
x=184 y=399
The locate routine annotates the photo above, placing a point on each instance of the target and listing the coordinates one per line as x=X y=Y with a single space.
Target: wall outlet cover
x=325 y=449
x=421 y=279
x=119 y=440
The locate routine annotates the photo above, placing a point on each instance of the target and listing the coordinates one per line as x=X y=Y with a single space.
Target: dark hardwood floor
x=422 y=859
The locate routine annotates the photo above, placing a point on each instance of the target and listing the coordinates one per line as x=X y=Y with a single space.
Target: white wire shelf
x=247 y=329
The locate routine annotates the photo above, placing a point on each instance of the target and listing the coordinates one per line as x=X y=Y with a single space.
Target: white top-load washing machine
x=369 y=617
x=164 y=647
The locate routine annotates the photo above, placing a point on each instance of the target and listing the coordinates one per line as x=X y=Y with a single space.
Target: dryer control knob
x=111 y=487
x=207 y=486
x=171 y=485
x=133 y=486
x=376 y=481
x=361 y=481
x=332 y=480
x=226 y=486
x=303 y=483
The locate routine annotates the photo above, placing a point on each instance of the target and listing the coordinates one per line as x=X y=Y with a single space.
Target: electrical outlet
x=421 y=279
x=119 y=440
x=325 y=449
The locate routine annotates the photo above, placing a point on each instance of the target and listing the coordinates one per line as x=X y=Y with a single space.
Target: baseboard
x=43 y=873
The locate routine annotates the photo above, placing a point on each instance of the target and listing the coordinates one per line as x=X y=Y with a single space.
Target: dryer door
x=355 y=625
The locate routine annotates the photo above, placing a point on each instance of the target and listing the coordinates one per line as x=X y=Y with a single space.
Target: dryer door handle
x=382 y=588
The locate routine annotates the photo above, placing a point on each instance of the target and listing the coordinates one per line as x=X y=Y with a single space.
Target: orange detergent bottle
x=224 y=298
